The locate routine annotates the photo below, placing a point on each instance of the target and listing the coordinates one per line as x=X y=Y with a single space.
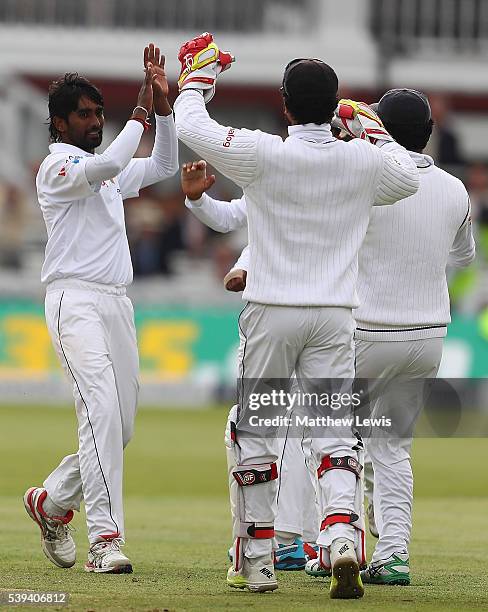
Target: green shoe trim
x=375 y=574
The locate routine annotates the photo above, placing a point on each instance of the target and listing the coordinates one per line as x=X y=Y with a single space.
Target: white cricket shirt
x=308 y=201
x=402 y=283
x=85 y=221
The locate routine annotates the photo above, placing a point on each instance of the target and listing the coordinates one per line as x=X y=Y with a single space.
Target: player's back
x=308 y=213
x=402 y=262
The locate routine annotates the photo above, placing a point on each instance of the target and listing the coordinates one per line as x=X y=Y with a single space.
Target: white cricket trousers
x=402 y=367
x=316 y=343
x=297 y=503
x=93 y=332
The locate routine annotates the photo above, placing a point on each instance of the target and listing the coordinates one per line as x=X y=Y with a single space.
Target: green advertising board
x=176 y=344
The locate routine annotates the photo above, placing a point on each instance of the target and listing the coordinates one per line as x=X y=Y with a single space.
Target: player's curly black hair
x=64 y=95
x=412 y=136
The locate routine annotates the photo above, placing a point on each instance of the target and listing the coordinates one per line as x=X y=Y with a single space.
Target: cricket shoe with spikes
x=56 y=540
x=346 y=581
x=290 y=557
x=255 y=575
x=314 y=568
x=394 y=571
x=106 y=557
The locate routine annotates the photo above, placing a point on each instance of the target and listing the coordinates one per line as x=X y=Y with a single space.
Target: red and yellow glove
x=359 y=120
x=201 y=63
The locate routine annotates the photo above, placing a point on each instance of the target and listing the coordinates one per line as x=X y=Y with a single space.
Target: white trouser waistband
x=375 y=333
x=75 y=283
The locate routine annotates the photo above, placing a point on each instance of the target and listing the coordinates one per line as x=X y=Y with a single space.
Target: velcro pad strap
x=339 y=517
x=255 y=474
x=257 y=531
x=339 y=463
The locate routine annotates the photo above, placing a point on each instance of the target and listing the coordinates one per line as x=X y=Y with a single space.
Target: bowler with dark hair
x=86 y=270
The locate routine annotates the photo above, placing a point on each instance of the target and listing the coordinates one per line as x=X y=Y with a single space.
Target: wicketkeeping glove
x=360 y=121
x=201 y=63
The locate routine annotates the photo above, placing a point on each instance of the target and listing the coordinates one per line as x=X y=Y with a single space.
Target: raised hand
x=194 y=179
x=145 y=97
x=153 y=56
x=201 y=63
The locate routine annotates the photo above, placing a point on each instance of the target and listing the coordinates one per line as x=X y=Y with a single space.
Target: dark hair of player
x=414 y=137
x=64 y=95
x=309 y=90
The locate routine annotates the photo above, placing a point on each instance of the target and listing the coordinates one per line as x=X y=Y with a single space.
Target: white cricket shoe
x=56 y=541
x=346 y=582
x=256 y=575
x=314 y=568
x=106 y=557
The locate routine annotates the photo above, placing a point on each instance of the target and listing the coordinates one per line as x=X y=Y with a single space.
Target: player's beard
x=91 y=142
x=87 y=141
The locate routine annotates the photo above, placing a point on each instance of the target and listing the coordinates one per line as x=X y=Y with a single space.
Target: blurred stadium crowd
x=165 y=239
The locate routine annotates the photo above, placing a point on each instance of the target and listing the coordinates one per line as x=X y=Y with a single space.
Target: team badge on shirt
x=72 y=159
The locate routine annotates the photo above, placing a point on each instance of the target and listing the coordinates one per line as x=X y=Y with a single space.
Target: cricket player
x=297 y=521
x=308 y=201
x=90 y=319
x=402 y=318
x=403 y=312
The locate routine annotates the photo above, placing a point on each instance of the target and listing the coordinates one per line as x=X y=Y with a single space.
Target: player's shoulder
x=448 y=180
x=452 y=191
x=50 y=164
x=57 y=163
x=363 y=149
x=265 y=138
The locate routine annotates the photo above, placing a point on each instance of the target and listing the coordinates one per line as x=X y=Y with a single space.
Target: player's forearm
x=115 y=157
x=244 y=259
x=232 y=152
x=400 y=176
x=218 y=215
x=161 y=105
x=163 y=161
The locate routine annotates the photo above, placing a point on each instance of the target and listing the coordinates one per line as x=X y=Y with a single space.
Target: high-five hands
x=145 y=97
x=201 y=63
x=154 y=57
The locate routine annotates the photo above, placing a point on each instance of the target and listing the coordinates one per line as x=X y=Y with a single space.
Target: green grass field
x=178 y=526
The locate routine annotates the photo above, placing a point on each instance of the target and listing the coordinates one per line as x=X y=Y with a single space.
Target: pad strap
x=255 y=474
x=339 y=517
x=339 y=463
x=257 y=531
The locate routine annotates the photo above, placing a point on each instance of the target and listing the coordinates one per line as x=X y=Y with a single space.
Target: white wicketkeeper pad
x=241 y=477
x=356 y=519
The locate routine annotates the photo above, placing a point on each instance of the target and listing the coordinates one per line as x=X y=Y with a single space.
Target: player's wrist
x=194 y=196
x=141 y=115
x=140 y=112
x=162 y=107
